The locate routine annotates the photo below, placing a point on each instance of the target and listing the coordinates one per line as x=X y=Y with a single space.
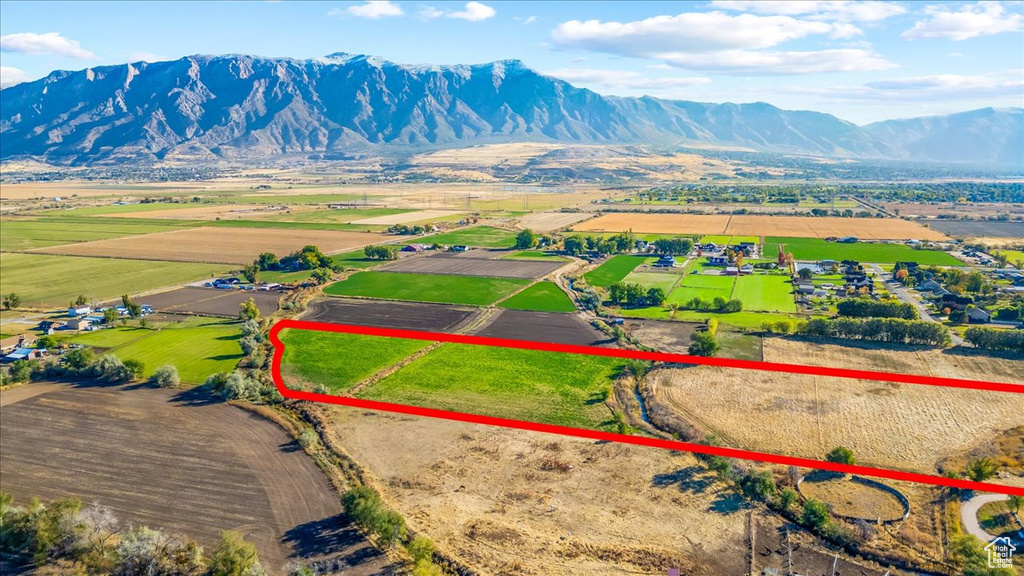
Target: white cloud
x=429 y=13
x=373 y=9
x=720 y=42
x=474 y=12
x=148 y=57
x=846 y=11
x=530 y=20
x=938 y=87
x=968 y=21
x=624 y=79
x=10 y=76
x=48 y=43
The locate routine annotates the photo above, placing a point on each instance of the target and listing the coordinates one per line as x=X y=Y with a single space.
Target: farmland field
x=548 y=221
x=472 y=290
x=804 y=227
x=198 y=347
x=43 y=280
x=210 y=301
x=664 y=280
x=202 y=212
x=186 y=463
x=707 y=286
x=613 y=270
x=542 y=297
x=546 y=387
x=408 y=315
x=409 y=217
x=975 y=229
x=218 y=245
x=24 y=234
x=484 y=236
x=718 y=239
x=814 y=249
x=1012 y=255
x=532 y=255
x=765 y=293
x=541 y=327
x=288 y=225
x=468 y=265
x=340 y=361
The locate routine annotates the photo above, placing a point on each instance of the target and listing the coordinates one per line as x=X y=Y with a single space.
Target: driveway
x=969 y=513
x=904 y=295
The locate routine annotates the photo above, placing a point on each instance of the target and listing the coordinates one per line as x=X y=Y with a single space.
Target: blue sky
x=862 y=61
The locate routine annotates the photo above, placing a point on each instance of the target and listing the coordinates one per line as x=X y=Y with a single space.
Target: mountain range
x=239 y=107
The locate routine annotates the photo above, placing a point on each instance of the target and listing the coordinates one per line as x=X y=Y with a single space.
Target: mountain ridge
x=242 y=107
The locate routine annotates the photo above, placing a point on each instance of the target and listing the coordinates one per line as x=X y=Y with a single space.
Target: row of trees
x=67 y=539
x=891 y=330
x=995 y=339
x=635 y=295
x=716 y=304
x=867 y=308
x=367 y=508
x=382 y=252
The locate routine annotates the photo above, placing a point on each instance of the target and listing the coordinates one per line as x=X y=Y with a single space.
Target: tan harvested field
x=885 y=424
x=852 y=499
x=177 y=461
x=218 y=245
x=513 y=502
x=417 y=216
x=753 y=225
x=205 y=212
x=548 y=221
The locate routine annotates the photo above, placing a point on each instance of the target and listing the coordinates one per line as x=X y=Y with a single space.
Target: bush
x=233 y=556
x=166 y=377
x=365 y=506
x=995 y=339
x=111 y=369
x=815 y=514
x=841 y=455
x=703 y=344
x=307 y=437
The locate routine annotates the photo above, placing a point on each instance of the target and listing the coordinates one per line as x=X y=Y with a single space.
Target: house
x=718 y=261
x=929 y=286
x=79 y=311
x=805 y=288
x=827 y=264
x=708 y=247
x=48 y=327
x=22 y=354
x=13 y=342
x=460 y=248
x=666 y=261
x=94 y=319
x=732 y=271
x=412 y=248
x=641 y=245
x=978 y=316
x=81 y=324
x=747 y=269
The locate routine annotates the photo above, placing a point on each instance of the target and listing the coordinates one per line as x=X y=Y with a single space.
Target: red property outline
x=626 y=438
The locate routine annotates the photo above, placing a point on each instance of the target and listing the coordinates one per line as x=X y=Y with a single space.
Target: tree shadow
x=690 y=479
x=332 y=536
x=198 y=396
x=728 y=502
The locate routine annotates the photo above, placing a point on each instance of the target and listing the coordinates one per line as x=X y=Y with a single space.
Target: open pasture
x=340 y=361
x=407 y=315
x=613 y=270
x=410 y=217
x=548 y=221
x=186 y=212
x=542 y=297
x=218 y=245
x=752 y=225
x=767 y=293
x=17 y=233
x=185 y=463
x=43 y=280
x=483 y=236
x=706 y=286
x=814 y=249
x=447 y=263
x=470 y=290
x=664 y=280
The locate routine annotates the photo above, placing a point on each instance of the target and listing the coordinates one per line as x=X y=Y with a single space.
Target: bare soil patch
x=391 y=314
x=417 y=216
x=664 y=336
x=770 y=550
x=218 y=245
x=543 y=327
x=970 y=229
x=210 y=301
x=513 y=502
x=205 y=212
x=466 y=266
x=184 y=463
x=548 y=221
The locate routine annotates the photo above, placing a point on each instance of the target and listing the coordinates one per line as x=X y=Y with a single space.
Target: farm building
x=666 y=261
x=718 y=261
x=412 y=248
x=80 y=324
x=460 y=248
x=13 y=342
x=48 y=327
x=848 y=240
x=747 y=269
x=978 y=316
x=732 y=271
x=79 y=311
x=22 y=354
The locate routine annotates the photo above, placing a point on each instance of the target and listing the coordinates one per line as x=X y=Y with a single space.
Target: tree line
x=865 y=308
x=995 y=339
x=890 y=330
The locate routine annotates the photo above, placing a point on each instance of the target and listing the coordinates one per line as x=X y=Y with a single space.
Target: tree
x=79 y=359
x=166 y=376
x=617 y=293
x=703 y=344
x=82 y=300
x=758 y=485
x=111 y=369
x=526 y=239
x=147 y=551
x=266 y=261
x=134 y=309
x=135 y=368
x=957 y=316
x=981 y=469
x=573 y=245
x=815 y=514
x=249 y=310
x=322 y=275
x=655 y=296
x=47 y=342
x=251 y=272
x=233 y=556
x=1014 y=503
x=841 y=455
x=381 y=252
x=805 y=273
x=787 y=497
x=11 y=300
x=110 y=315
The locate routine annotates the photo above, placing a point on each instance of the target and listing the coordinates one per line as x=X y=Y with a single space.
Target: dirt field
x=751 y=225
x=852 y=499
x=1014 y=230
x=465 y=266
x=205 y=212
x=769 y=543
x=664 y=336
x=885 y=424
x=210 y=301
x=218 y=245
x=548 y=221
x=542 y=327
x=417 y=216
x=184 y=463
x=409 y=315
x=974 y=209
x=511 y=502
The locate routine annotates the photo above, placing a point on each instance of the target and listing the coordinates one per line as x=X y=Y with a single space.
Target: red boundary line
x=626 y=438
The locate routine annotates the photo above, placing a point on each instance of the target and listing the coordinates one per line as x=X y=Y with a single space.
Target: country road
x=904 y=295
x=969 y=514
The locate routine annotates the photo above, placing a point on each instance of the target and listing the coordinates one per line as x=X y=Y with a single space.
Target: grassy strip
x=542 y=297
x=471 y=290
x=483 y=236
x=340 y=361
x=815 y=249
x=613 y=270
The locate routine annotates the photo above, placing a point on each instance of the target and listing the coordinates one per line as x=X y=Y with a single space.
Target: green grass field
x=738 y=239
x=295 y=225
x=663 y=280
x=744 y=320
x=482 y=236
x=815 y=249
x=472 y=290
x=613 y=270
x=25 y=234
x=718 y=239
x=548 y=387
x=198 y=347
x=45 y=281
x=542 y=297
x=340 y=361
x=765 y=293
x=533 y=255
x=1012 y=255
x=704 y=285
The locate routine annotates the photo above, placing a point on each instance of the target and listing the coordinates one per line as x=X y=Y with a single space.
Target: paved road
x=904 y=295
x=969 y=514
